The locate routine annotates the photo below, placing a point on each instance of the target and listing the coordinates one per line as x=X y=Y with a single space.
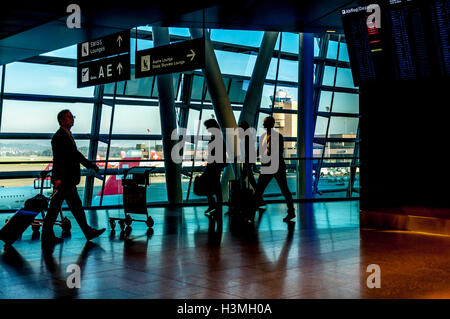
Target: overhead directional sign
x=104 y=60
x=110 y=45
x=113 y=69
x=173 y=58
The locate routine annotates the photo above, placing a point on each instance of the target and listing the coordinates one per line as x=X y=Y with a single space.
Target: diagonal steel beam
x=168 y=123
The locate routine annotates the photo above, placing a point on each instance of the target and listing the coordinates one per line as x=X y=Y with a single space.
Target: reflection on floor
x=323 y=254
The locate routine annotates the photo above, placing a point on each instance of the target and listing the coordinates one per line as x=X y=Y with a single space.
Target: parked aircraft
x=15 y=197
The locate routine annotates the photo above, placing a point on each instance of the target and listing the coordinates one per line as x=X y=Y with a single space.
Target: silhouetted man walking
x=280 y=173
x=65 y=178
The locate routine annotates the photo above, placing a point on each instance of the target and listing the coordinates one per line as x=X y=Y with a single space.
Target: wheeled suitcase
x=16 y=225
x=202 y=185
x=242 y=203
x=38 y=203
x=23 y=218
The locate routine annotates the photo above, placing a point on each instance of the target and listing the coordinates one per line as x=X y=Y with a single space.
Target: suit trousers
x=70 y=194
x=281 y=178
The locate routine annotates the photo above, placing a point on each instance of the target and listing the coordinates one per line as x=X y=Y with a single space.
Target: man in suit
x=65 y=178
x=270 y=170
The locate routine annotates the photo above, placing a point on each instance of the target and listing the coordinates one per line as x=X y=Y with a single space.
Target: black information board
x=440 y=21
x=102 y=71
x=412 y=42
x=113 y=44
x=173 y=58
x=358 y=45
x=104 y=60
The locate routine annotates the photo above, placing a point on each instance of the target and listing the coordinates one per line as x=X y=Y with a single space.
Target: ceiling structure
x=29 y=28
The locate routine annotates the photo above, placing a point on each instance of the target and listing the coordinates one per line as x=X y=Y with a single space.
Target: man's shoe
x=210 y=213
x=209 y=210
x=216 y=212
x=94 y=233
x=290 y=215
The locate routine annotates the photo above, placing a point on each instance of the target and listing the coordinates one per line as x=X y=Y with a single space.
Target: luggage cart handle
x=44 y=174
x=53 y=194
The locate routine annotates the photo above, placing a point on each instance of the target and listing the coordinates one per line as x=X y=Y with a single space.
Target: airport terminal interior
x=298 y=69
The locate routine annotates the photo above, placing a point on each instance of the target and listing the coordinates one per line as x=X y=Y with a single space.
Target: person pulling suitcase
x=65 y=178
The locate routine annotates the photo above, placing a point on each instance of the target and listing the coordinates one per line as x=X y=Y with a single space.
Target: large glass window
x=14 y=192
x=333 y=175
x=332 y=49
x=288 y=71
x=237 y=91
x=135 y=149
x=343 y=53
x=141 y=45
x=289 y=43
x=131 y=119
x=242 y=37
x=32 y=78
x=41 y=117
x=321 y=126
x=345 y=103
x=26 y=150
x=325 y=101
x=342 y=102
x=1 y=77
x=343 y=125
x=135 y=87
x=235 y=63
x=194 y=121
x=34 y=89
x=68 y=52
x=344 y=78
x=180 y=31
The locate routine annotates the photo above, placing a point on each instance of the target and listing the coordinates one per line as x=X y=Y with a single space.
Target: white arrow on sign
x=119 y=40
x=191 y=55
x=119 y=68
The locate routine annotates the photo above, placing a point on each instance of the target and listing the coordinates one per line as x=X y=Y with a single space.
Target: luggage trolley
x=64 y=222
x=134 y=183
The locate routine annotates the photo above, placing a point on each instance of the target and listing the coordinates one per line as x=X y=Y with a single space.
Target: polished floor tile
x=323 y=254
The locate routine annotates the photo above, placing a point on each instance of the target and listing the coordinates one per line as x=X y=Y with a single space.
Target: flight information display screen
x=359 y=49
x=440 y=19
x=410 y=40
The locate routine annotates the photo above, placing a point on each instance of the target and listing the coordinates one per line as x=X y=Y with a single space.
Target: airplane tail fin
x=113 y=185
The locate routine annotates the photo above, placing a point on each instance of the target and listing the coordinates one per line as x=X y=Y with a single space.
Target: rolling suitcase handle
x=53 y=194
x=43 y=175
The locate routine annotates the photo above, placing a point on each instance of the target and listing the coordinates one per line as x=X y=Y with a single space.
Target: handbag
x=201 y=187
